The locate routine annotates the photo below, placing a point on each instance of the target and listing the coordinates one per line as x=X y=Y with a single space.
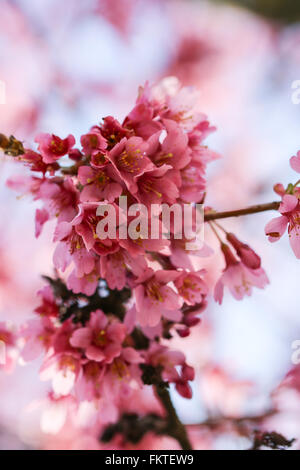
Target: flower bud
x=184 y=389
x=247 y=255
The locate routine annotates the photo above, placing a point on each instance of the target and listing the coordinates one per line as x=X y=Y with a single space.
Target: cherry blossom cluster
x=104 y=320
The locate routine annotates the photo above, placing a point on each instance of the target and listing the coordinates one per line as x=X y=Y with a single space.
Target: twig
x=269 y=206
x=175 y=428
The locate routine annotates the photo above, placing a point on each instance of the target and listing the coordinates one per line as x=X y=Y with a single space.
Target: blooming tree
x=106 y=317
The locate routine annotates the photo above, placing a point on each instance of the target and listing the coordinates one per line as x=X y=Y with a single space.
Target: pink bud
x=230 y=259
x=187 y=372
x=247 y=255
x=191 y=320
x=279 y=189
x=75 y=155
x=184 y=332
x=184 y=389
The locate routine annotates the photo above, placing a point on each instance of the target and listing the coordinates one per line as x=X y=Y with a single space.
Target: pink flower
x=157 y=186
x=174 y=149
x=191 y=287
x=130 y=160
x=98 y=185
x=245 y=253
x=154 y=298
x=60 y=198
x=85 y=223
x=62 y=369
x=36 y=162
x=193 y=184
x=89 y=384
x=238 y=278
x=48 y=306
x=290 y=210
x=295 y=162
x=93 y=142
x=38 y=335
x=100 y=339
x=113 y=132
x=41 y=216
x=177 y=102
x=168 y=360
x=71 y=248
x=86 y=284
x=115 y=266
x=52 y=147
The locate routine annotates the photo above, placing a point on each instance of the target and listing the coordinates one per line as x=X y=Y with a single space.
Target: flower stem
x=270 y=206
x=175 y=428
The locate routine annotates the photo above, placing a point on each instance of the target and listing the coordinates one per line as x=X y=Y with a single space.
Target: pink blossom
x=48 y=307
x=41 y=216
x=115 y=266
x=295 y=162
x=113 y=131
x=37 y=163
x=71 y=248
x=85 y=223
x=191 y=287
x=169 y=361
x=248 y=256
x=38 y=335
x=62 y=369
x=52 y=147
x=157 y=186
x=174 y=149
x=154 y=298
x=98 y=185
x=130 y=160
x=290 y=218
x=238 y=278
x=86 y=284
x=100 y=339
x=93 y=142
x=60 y=198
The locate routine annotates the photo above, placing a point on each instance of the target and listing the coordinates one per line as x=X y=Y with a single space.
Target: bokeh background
x=66 y=65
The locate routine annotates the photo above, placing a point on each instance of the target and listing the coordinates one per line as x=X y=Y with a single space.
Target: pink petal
x=295 y=241
x=81 y=338
x=276 y=228
x=295 y=162
x=41 y=216
x=131 y=355
x=95 y=354
x=61 y=256
x=219 y=291
x=62 y=230
x=288 y=204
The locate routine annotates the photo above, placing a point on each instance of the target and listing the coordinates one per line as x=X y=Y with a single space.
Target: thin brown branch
x=175 y=428
x=269 y=206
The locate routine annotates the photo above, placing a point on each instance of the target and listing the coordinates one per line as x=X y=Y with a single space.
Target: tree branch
x=175 y=428
x=269 y=206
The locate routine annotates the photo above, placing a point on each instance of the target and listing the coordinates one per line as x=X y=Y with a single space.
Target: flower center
x=130 y=162
x=154 y=292
x=119 y=368
x=101 y=339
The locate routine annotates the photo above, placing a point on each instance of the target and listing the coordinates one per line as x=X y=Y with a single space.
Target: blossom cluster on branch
x=105 y=318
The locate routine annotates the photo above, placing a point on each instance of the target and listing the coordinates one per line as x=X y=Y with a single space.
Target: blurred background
x=65 y=65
